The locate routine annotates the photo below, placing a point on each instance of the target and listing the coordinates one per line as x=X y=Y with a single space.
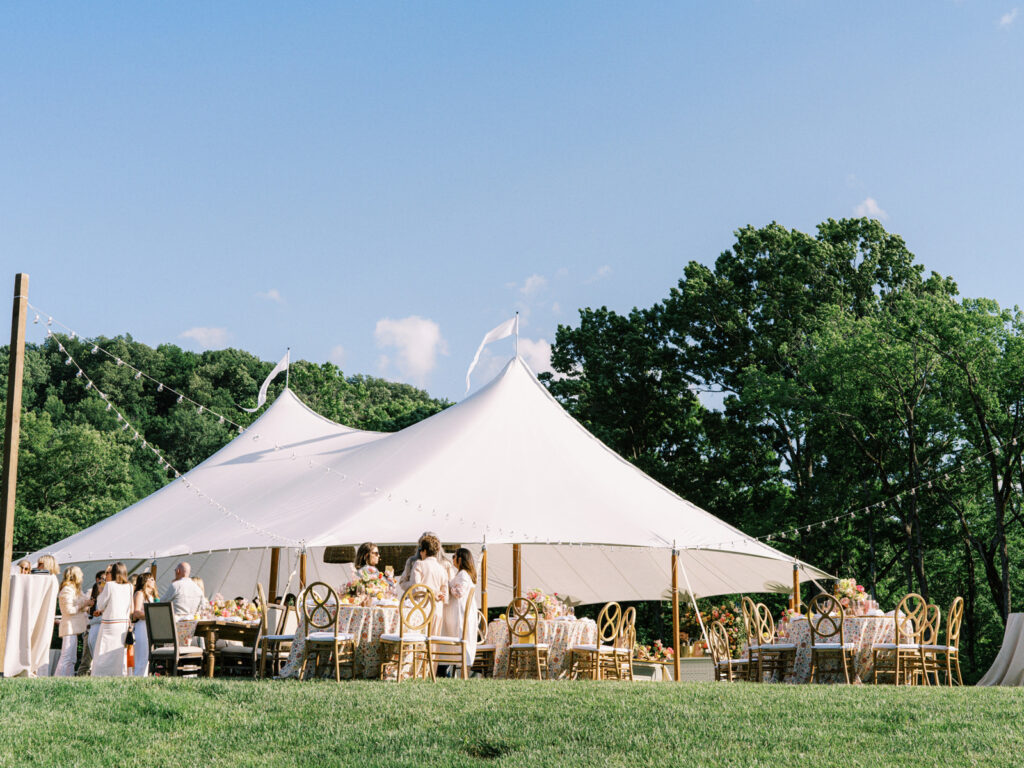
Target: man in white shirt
x=184 y=594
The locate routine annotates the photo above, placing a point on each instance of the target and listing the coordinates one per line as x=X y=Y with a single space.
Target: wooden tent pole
x=517 y=564
x=152 y=569
x=275 y=565
x=675 y=614
x=302 y=569
x=483 y=581
x=796 y=587
x=12 y=433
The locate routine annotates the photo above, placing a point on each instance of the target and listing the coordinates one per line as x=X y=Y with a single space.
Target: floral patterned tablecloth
x=366 y=625
x=560 y=635
x=863 y=631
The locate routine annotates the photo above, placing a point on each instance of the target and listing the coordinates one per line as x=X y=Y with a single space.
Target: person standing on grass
x=145 y=592
x=85 y=665
x=184 y=595
x=74 y=619
x=114 y=608
x=460 y=590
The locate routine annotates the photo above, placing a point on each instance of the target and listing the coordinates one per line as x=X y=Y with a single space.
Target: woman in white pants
x=74 y=619
x=114 y=606
x=145 y=592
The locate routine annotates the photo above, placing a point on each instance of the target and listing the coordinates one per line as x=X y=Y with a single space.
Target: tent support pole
x=675 y=614
x=152 y=569
x=12 y=431
x=517 y=574
x=796 y=587
x=302 y=569
x=483 y=581
x=696 y=608
x=275 y=565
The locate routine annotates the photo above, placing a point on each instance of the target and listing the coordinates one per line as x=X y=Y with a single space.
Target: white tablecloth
x=33 y=605
x=1008 y=668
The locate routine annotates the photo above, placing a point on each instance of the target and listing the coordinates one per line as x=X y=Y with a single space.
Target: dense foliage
x=79 y=465
x=839 y=375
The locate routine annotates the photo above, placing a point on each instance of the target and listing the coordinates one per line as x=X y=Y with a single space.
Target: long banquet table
x=559 y=634
x=366 y=624
x=864 y=631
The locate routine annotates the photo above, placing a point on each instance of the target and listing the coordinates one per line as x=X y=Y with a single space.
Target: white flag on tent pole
x=503 y=331
x=281 y=366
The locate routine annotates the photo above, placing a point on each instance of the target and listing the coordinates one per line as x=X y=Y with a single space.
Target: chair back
x=261 y=600
x=627 y=630
x=521 y=617
x=825 y=618
x=956 y=616
x=160 y=625
x=481 y=627
x=319 y=605
x=469 y=626
x=719 y=640
x=609 y=621
x=928 y=632
x=765 y=625
x=289 y=623
x=750 y=621
x=415 y=610
x=908 y=617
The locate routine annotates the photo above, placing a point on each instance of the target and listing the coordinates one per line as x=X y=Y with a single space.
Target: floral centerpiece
x=366 y=588
x=850 y=595
x=549 y=606
x=219 y=608
x=655 y=652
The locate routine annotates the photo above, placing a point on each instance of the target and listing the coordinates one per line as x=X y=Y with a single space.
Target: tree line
x=802 y=377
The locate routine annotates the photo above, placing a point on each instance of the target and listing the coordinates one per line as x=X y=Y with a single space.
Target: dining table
x=862 y=631
x=366 y=623
x=560 y=634
x=215 y=629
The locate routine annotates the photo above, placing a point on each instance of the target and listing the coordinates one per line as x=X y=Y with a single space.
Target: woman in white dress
x=74 y=619
x=114 y=607
x=145 y=592
x=461 y=589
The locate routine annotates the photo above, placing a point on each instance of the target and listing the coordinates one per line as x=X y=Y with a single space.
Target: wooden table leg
x=211 y=647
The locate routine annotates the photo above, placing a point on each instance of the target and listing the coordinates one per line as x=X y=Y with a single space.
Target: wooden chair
x=727 y=668
x=522 y=618
x=485 y=652
x=825 y=621
x=622 y=650
x=279 y=624
x=446 y=649
x=773 y=657
x=319 y=605
x=947 y=657
x=750 y=628
x=415 y=611
x=927 y=667
x=165 y=655
x=593 y=659
x=901 y=657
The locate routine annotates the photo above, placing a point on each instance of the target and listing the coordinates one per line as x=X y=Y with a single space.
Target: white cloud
x=271 y=295
x=417 y=342
x=602 y=272
x=1008 y=18
x=537 y=354
x=207 y=338
x=870 y=209
x=337 y=355
x=533 y=284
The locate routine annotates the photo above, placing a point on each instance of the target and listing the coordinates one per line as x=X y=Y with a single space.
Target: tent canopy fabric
x=507 y=465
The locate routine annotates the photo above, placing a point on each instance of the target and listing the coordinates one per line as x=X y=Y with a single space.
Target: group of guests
x=451 y=579
x=106 y=612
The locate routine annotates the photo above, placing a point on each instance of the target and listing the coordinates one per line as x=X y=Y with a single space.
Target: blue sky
x=380 y=184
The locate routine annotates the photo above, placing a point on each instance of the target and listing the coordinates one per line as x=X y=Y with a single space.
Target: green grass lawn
x=162 y=722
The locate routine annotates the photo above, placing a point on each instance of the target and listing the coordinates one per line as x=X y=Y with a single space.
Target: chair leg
x=846 y=669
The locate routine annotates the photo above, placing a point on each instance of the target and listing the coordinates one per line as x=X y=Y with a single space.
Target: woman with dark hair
x=145 y=592
x=367 y=558
x=114 y=606
x=461 y=590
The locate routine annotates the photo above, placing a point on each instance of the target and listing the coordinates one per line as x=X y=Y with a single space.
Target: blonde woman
x=74 y=619
x=114 y=607
x=145 y=592
x=47 y=564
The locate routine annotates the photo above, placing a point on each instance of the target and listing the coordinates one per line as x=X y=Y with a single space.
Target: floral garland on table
x=366 y=588
x=655 y=652
x=549 y=606
x=219 y=608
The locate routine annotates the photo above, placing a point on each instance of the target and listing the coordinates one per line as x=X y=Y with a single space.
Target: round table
x=559 y=634
x=365 y=624
x=863 y=631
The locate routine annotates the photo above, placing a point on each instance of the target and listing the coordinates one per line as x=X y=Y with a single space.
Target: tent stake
x=275 y=564
x=12 y=431
x=675 y=614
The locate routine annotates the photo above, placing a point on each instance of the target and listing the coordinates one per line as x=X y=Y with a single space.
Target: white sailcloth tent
x=506 y=466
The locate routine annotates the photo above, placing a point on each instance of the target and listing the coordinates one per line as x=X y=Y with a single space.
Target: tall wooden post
x=275 y=565
x=152 y=569
x=796 y=587
x=483 y=581
x=517 y=574
x=675 y=614
x=12 y=434
x=302 y=569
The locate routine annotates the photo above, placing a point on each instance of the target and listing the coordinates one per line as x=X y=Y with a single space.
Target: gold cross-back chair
x=522 y=618
x=902 y=657
x=409 y=645
x=825 y=617
x=323 y=638
x=593 y=660
x=445 y=649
